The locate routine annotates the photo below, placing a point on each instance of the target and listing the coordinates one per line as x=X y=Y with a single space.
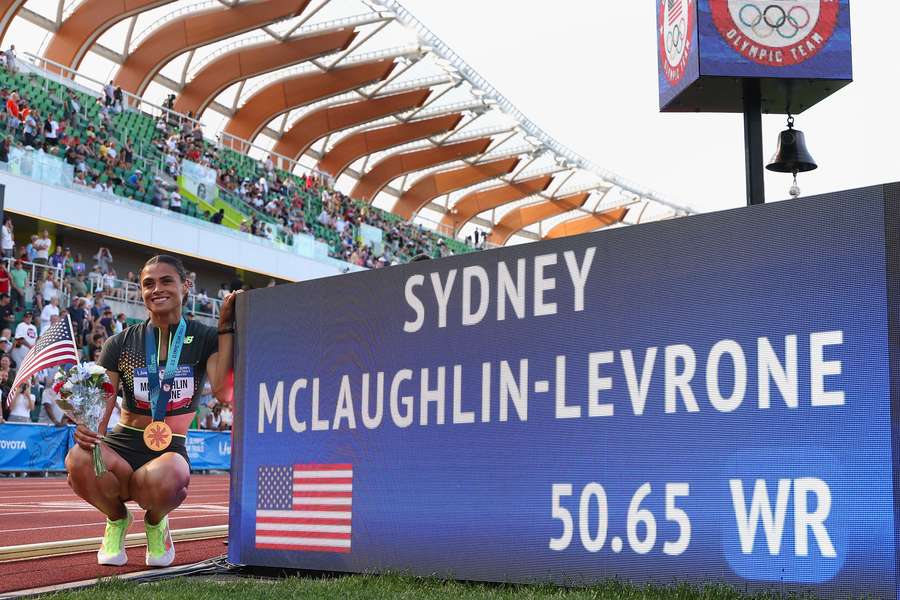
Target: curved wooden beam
x=287 y=94
x=197 y=29
x=365 y=143
x=520 y=218
x=443 y=182
x=330 y=119
x=396 y=165
x=71 y=42
x=475 y=203
x=8 y=11
x=258 y=59
x=586 y=223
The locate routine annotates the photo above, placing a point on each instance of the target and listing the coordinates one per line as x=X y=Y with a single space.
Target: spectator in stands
x=99 y=306
x=7 y=315
x=30 y=250
x=134 y=179
x=30 y=128
x=109 y=93
x=18 y=279
x=104 y=259
x=51 y=309
x=118 y=100
x=26 y=331
x=13 y=114
x=51 y=413
x=21 y=405
x=120 y=323
x=42 y=247
x=110 y=284
x=73 y=108
x=78 y=266
x=57 y=259
x=95 y=279
x=4 y=149
x=10 y=55
x=68 y=264
x=96 y=341
x=78 y=286
x=5 y=279
x=218 y=217
x=37 y=302
x=203 y=302
x=78 y=313
x=7 y=242
x=51 y=130
x=214 y=417
x=6 y=343
x=108 y=321
x=49 y=289
x=175 y=202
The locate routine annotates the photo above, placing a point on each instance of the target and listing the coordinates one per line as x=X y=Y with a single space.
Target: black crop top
x=124 y=354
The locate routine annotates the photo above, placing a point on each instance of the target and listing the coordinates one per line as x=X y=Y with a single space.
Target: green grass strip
x=377 y=587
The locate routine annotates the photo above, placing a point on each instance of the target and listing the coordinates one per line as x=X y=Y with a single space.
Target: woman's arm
x=220 y=366
x=110 y=402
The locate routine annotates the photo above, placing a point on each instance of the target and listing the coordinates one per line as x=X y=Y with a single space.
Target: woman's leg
x=160 y=486
x=108 y=493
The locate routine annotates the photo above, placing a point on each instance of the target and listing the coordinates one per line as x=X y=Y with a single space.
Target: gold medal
x=158 y=436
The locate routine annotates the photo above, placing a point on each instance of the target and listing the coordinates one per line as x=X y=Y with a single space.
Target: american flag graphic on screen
x=304 y=507
x=675 y=11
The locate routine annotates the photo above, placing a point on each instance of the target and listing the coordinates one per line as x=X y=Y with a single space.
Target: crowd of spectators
x=286 y=198
x=278 y=204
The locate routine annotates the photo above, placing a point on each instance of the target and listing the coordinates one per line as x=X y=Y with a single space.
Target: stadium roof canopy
x=359 y=89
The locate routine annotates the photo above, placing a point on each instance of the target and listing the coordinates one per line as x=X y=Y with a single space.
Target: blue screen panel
x=702 y=399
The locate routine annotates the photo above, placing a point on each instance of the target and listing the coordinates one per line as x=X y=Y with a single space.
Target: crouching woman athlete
x=160 y=365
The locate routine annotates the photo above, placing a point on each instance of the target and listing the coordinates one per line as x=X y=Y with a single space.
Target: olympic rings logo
x=676 y=37
x=774 y=19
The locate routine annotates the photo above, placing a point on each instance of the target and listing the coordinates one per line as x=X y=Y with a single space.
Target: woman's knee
x=161 y=482
x=78 y=463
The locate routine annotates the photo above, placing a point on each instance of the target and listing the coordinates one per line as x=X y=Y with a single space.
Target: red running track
x=37 y=510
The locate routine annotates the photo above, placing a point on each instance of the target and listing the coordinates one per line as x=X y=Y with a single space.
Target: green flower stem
x=99 y=465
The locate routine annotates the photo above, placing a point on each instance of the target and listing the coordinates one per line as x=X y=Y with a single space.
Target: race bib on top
x=180 y=394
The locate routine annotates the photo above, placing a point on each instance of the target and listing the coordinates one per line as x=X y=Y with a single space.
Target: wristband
x=226 y=330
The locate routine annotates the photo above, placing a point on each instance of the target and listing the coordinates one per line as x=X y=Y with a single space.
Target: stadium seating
x=140 y=129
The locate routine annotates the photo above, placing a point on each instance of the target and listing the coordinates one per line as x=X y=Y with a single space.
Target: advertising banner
x=41 y=166
x=198 y=182
x=679 y=52
x=706 y=46
x=711 y=398
x=209 y=450
x=33 y=447
x=38 y=447
x=807 y=39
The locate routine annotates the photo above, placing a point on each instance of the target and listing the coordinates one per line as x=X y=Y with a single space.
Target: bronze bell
x=791 y=155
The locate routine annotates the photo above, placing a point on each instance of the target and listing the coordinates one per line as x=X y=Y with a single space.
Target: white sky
x=585 y=71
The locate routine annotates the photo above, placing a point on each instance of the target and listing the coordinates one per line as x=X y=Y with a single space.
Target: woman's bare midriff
x=178 y=423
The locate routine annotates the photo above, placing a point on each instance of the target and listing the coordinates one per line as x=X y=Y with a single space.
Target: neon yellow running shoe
x=160 y=548
x=112 y=550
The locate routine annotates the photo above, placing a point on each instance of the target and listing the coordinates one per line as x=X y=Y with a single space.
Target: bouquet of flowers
x=83 y=391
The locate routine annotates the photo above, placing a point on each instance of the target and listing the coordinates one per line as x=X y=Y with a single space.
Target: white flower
x=95 y=369
x=68 y=387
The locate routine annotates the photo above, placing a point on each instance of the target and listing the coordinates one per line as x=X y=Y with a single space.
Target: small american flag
x=55 y=347
x=675 y=9
x=304 y=507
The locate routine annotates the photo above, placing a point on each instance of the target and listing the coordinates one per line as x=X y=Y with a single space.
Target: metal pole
x=753 y=151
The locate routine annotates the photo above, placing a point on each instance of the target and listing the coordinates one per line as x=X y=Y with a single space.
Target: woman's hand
x=226 y=314
x=86 y=438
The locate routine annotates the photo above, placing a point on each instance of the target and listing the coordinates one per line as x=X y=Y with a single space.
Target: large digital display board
x=700 y=42
x=701 y=399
